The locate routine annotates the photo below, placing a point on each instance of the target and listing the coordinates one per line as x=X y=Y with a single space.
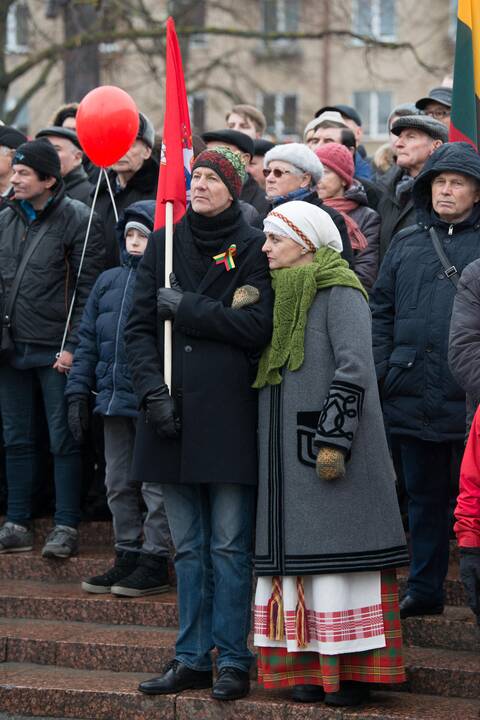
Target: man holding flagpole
x=197 y=431
x=199 y=441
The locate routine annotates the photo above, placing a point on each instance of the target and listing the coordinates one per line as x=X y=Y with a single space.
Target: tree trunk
x=82 y=66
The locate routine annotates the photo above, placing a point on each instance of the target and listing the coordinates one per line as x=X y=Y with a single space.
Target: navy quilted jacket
x=412 y=303
x=100 y=363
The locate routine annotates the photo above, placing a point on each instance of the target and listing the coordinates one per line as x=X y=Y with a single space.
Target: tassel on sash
x=301 y=622
x=276 y=627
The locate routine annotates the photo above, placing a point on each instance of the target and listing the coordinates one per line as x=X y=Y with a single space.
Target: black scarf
x=211 y=235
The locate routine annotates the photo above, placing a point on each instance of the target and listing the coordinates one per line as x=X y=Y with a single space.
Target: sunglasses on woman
x=276 y=172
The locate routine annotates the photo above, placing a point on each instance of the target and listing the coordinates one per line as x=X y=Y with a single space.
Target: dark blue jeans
x=19 y=390
x=427 y=470
x=212 y=530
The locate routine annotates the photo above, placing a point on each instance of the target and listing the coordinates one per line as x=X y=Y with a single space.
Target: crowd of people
x=326 y=324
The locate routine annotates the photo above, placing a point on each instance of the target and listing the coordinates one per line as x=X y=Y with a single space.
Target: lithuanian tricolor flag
x=465 y=118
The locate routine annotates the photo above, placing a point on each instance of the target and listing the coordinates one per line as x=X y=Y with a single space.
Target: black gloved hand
x=168 y=299
x=160 y=411
x=470 y=575
x=78 y=416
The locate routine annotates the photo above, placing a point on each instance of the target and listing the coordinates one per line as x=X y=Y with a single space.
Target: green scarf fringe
x=295 y=290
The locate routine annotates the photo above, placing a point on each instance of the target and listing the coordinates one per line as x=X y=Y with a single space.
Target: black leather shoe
x=231 y=684
x=410 y=607
x=177 y=677
x=350 y=694
x=308 y=693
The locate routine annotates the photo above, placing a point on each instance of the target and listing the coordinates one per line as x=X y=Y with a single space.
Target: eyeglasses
x=438 y=114
x=276 y=172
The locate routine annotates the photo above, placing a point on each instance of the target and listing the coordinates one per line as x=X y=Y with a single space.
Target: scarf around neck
x=295 y=290
x=210 y=234
x=299 y=194
x=358 y=241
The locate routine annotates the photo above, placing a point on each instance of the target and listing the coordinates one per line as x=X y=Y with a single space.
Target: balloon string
x=111 y=193
x=87 y=235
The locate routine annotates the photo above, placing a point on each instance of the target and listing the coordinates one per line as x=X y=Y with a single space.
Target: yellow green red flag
x=465 y=118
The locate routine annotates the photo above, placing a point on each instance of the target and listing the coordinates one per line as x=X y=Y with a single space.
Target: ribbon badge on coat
x=226 y=258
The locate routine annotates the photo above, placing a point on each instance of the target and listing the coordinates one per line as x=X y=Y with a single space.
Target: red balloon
x=107 y=124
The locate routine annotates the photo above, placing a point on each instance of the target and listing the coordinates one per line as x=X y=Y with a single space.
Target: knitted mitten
x=330 y=463
x=245 y=295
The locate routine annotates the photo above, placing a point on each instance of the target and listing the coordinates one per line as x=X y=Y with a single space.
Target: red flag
x=177 y=151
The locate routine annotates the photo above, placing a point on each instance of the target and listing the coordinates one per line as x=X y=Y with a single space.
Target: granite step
x=95 y=646
x=87 y=646
x=443 y=672
x=33 y=690
x=456 y=629
x=31 y=565
x=67 y=601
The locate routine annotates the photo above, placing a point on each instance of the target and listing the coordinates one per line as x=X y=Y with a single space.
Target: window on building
x=197 y=106
x=374 y=18
x=280 y=111
x=374 y=108
x=22 y=119
x=17 y=38
x=280 y=15
x=191 y=13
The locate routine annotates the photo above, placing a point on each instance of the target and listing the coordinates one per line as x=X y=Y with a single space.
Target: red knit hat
x=338 y=158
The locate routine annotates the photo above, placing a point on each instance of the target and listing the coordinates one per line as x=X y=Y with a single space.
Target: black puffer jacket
x=78 y=186
x=142 y=186
x=43 y=300
x=396 y=212
x=412 y=303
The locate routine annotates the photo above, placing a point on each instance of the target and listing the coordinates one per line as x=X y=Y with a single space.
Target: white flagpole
x=167 y=363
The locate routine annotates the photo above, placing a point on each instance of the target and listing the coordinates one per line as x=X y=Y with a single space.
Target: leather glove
x=78 y=416
x=330 y=463
x=160 y=411
x=168 y=299
x=470 y=576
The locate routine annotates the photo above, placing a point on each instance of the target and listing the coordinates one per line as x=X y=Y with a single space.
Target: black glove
x=470 y=575
x=160 y=411
x=168 y=299
x=78 y=416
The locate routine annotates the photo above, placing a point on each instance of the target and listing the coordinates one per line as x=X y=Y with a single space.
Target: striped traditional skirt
x=278 y=667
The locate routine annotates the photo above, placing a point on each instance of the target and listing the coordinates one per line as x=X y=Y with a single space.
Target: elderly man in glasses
x=438 y=104
x=291 y=172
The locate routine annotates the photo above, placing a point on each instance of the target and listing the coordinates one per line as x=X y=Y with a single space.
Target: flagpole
x=167 y=354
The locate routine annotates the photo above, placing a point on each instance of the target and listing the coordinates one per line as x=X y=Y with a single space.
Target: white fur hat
x=298 y=155
x=306 y=224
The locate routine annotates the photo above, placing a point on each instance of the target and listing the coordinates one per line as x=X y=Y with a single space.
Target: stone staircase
x=67 y=654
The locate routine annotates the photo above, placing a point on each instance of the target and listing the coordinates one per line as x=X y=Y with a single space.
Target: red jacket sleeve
x=467 y=512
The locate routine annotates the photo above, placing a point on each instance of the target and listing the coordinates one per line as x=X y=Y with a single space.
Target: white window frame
x=11 y=39
x=376 y=24
x=375 y=132
x=278 y=124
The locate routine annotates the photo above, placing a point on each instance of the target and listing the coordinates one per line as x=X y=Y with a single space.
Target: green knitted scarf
x=295 y=290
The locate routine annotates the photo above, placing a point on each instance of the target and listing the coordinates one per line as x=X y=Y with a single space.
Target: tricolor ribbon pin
x=226 y=258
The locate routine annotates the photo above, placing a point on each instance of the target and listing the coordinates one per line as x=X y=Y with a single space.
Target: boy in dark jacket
x=101 y=366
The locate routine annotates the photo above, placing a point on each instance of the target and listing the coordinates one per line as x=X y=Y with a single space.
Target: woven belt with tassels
x=276 y=625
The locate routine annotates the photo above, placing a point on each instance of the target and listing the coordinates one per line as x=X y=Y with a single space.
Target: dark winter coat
x=46 y=289
x=412 y=303
x=100 y=362
x=395 y=212
x=78 y=186
x=253 y=194
x=464 y=342
x=366 y=261
x=215 y=351
x=142 y=186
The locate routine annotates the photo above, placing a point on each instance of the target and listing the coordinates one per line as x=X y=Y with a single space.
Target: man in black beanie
x=42 y=241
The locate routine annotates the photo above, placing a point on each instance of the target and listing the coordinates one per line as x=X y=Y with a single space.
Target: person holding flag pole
x=197 y=430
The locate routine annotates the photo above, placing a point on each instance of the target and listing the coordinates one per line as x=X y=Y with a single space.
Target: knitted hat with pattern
x=227 y=164
x=338 y=158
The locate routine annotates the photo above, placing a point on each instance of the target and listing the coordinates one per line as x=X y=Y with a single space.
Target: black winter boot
x=125 y=563
x=149 y=577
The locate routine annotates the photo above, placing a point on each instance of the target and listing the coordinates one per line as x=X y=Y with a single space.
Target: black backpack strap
x=449 y=270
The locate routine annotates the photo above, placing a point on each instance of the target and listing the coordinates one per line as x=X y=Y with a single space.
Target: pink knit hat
x=338 y=158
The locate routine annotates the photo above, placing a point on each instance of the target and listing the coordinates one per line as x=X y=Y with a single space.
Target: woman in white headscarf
x=329 y=534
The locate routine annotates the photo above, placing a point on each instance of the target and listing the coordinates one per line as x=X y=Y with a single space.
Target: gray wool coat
x=305 y=525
